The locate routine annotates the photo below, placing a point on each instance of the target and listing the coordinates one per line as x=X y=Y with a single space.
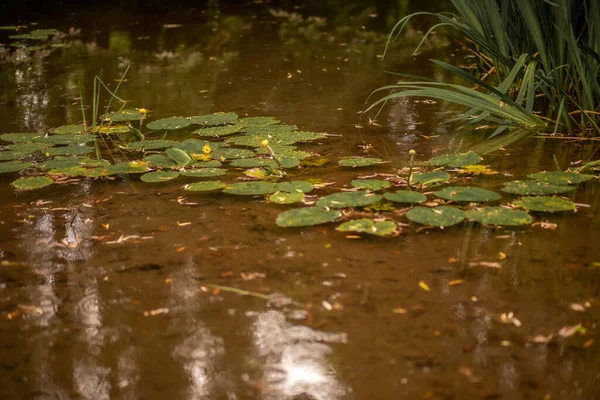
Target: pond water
x=122 y=289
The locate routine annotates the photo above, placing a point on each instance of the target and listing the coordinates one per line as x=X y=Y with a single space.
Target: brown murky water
x=101 y=283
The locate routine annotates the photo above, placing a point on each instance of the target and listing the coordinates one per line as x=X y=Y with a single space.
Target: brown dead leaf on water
x=180 y=249
x=486 y=264
x=157 y=311
x=456 y=282
x=588 y=343
x=567 y=331
x=400 y=310
x=577 y=307
x=541 y=339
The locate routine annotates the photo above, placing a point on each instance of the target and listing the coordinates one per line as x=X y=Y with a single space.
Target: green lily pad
x=32 y=183
x=71 y=150
x=231 y=153
x=127 y=168
x=314 y=161
x=254 y=162
x=560 y=177
x=466 y=193
x=252 y=188
x=456 y=160
x=60 y=162
x=66 y=139
x=13 y=166
x=275 y=138
x=271 y=130
x=306 y=217
x=205 y=186
x=405 y=196
x=93 y=162
x=151 y=144
x=499 y=216
x=218 y=131
x=284 y=150
x=442 y=216
x=160 y=161
x=69 y=130
x=348 y=199
x=535 y=188
x=287 y=198
x=261 y=121
x=194 y=146
x=364 y=225
x=371 y=184
x=124 y=115
x=260 y=173
x=159 y=176
x=20 y=137
x=295 y=186
x=546 y=204
x=203 y=172
x=112 y=129
x=27 y=147
x=427 y=178
x=70 y=171
x=169 y=124
x=12 y=155
x=179 y=156
x=215 y=119
x=359 y=162
x=207 y=164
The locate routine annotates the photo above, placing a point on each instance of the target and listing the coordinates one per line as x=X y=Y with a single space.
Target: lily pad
x=205 y=186
x=560 y=177
x=456 y=160
x=371 y=184
x=442 y=216
x=194 y=146
x=272 y=130
x=158 y=160
x=71 y=150
x=179 y=156
x=70 y=171
x=159 y=176
x=127 y=168
x=207 y=164
x=215 y=119
x=359 y=162
x=218 y=131
x=348 y=199
x=13 y=166
x=203 y=172
x=112 y=129
x=27 y=147
x=364 y=225
x=283 y=150
x=287 y=198
x=123 y=115
x=261 y=121
x=12 y=155
x=252 y=188
x=427 y=178
x=466 y=193
x=19 y=137
x=306 y=217
x=275 y=138
x=69 y=129
x=499 y=216
x=295 y=186
x=60 y=162
x=535 y=188
x=546 y=204
x=254 y=162
x=151 y=144
x=231 y=153
x=66 y=139
x=168 y=124
x=405 y=196
x=32 y=183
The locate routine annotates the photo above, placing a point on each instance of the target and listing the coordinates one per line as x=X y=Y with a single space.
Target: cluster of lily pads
x=221 y=144
x=34 y=40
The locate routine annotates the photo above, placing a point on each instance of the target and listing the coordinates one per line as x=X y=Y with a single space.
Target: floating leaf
x=112 y=129
x=69 y=129
x=231 y=153
x=92 y=162
x=499 y=216
x=66 y=139
x=151 y=144
x=71 y=150
x=306 y=217
x=32 y=183
x=546 y=204
x=535 y=188
x=359 y=162
x=427 y=178
x=169 y=124
x=295 y=186
x=179 y=156
x=271 y=130
x=275 y=138
x=348 y=199
x=455 y=160
x=560 y=177
x=27 y=147
x=159 y=176
x=207 y=164
x=127 y=168
x=405 y=196
x=194 y=146
x=254 y=162
x=123 y=115
x=20 y=137
x=204 y=172
x=381 y=228
x=371 y=184
x=466 y=193
x=13 y=166
x=314 y=161
x=252 y=188
x=12 y=155
x=260 y=173
x=215 y=119
x=60 y=162
x=287 y=198
x=218 y=131
x=71 y=171
x=283 y=150
x=261 y=121
x=439 y=216
x=158 y=160
x=204 y=186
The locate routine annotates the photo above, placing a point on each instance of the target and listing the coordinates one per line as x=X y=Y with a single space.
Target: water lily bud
x=264 y=143
x=143 y=111
x=412 y=152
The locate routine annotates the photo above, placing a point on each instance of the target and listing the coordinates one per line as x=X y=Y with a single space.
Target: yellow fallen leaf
x=424 y=286
x=399 y=310
x=105 y=226
x=501 y=256
x=183 y=223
